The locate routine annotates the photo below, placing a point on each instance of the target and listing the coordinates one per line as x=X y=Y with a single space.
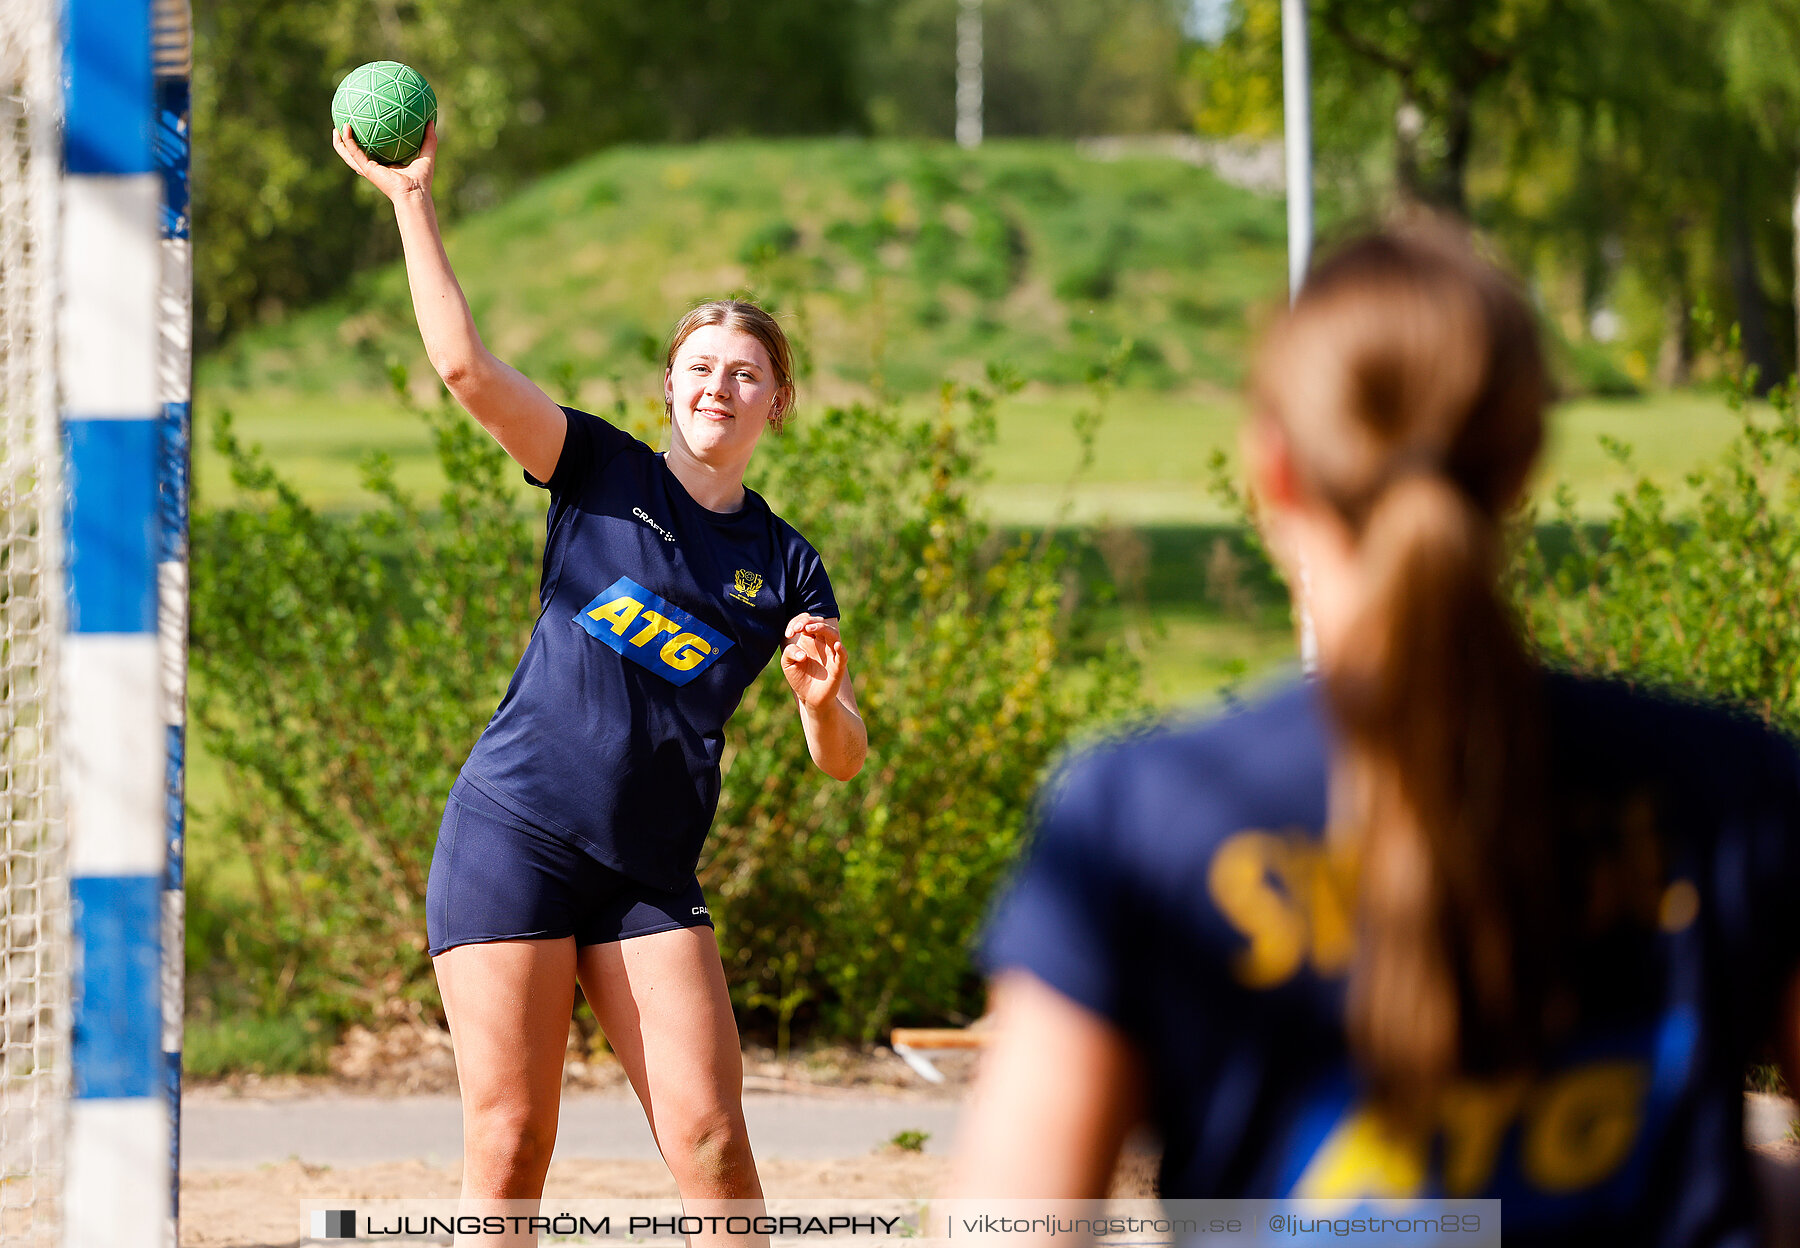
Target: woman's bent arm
x=814 y=663
x=522 y=418
x=1059 y=1089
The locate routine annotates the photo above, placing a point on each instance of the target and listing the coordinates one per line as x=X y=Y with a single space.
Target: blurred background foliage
x=527 y=89
x=898 y=261
x=1636 y=157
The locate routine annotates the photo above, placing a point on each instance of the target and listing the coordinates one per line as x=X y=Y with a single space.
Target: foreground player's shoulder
x=1178 y=788
x=1124 y=838
x=1722 y=790
x=1234 y=763
x=1714 y=750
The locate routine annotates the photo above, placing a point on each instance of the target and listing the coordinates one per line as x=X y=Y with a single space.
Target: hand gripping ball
x=386 y=105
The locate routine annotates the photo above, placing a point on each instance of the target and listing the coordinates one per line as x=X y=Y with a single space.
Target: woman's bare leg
x=509 y=1003
x=662 y=1001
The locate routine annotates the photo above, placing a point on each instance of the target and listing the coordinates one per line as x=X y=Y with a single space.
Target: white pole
x=1296 y=129
x=968 y=74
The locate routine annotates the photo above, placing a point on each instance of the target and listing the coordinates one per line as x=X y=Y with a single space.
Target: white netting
x=34 y=907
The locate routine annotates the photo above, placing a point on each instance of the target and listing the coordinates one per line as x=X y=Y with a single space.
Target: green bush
x=344 y=665
x=254 y=1044
x=1591 y=368
x=1704 y=600
x=854 y=905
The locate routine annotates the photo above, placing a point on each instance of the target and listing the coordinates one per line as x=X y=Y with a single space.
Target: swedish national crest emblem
x=745 y=586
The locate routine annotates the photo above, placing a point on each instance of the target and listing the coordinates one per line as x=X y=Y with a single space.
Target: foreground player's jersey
x=655 y=616
x=1181 y=886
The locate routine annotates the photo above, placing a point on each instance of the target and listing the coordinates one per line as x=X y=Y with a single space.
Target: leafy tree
x=1632 y=157
x=1234 y=88
x=1644 y=168
x=1050 y=67
x=522 y=90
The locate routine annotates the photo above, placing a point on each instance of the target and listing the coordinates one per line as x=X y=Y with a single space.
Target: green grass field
x=1150 y=463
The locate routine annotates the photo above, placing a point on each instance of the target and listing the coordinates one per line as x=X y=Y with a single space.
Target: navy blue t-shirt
x=1182 y=887
x=655 y=616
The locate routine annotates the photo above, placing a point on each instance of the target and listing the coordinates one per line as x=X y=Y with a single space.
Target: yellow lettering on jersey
x=684 y=651
x=1576 y=1128
x=1364 y=1157
x=1475 y=1118
x=1329 y=893
x=619 y=613
x=1238 y=880
x=654 y=624
x=1582 y=1125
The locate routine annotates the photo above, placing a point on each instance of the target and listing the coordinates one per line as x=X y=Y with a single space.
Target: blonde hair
x=745 y=317
x=1410 y=383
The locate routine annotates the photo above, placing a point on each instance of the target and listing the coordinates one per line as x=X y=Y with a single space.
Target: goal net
x=34 y=880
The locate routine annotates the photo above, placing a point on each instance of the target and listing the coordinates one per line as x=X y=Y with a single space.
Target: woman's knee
x=705 y=1142
x=514 y=1138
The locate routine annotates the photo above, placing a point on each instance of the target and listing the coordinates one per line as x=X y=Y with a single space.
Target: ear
x=669 y=391
x=1269 y=464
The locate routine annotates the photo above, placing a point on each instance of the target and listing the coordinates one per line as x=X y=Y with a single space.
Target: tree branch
x=1331 y=13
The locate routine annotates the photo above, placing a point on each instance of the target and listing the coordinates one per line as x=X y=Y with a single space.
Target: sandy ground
x=260 y=1208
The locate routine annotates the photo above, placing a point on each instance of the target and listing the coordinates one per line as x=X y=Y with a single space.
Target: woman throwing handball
x=1442 y=923
x=568 y=845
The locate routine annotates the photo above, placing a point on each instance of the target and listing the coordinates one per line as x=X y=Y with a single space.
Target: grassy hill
x=897 y=263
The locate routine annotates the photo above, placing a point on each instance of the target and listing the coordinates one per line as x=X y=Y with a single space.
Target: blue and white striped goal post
x=124 y=366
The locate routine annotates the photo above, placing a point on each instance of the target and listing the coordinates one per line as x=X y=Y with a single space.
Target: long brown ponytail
x=1409 y=382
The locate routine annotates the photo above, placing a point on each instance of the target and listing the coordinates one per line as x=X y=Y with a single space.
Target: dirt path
x=360 y=1130
x=387 y=1125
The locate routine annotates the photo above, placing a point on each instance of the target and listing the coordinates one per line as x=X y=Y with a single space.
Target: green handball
x=387 y=106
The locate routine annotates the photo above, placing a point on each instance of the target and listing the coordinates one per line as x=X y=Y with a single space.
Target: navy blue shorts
x=495 y=877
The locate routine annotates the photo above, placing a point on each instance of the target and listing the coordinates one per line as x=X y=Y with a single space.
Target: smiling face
x=721 y=389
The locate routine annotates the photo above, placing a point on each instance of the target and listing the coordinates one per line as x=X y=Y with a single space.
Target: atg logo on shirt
x=651 y=632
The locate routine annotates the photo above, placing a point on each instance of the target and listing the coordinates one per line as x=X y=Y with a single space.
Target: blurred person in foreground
x=1441 y=923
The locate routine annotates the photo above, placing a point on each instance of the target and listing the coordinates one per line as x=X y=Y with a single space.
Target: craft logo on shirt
x=651 y=632
x=745 y=585
x=643 y=515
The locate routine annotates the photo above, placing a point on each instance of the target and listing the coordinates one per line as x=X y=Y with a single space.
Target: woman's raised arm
x=522 y=418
